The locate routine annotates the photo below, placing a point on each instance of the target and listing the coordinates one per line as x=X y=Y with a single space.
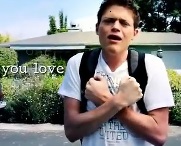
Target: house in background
x=165 y=45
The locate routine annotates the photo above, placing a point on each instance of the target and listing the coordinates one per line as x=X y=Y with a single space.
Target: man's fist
x=129 y=91
x=97 y=90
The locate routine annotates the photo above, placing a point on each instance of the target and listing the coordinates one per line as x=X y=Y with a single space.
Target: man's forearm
x=86 y=123
x=143 y=125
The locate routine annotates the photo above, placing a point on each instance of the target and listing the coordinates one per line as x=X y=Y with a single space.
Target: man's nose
x=116 y=26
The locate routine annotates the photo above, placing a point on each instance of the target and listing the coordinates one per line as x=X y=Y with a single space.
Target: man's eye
x=109 y=20
x=124 y=23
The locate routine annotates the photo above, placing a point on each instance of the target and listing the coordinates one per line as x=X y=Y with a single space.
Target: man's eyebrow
x=109 y=18
x=123 y=20
x=120 y=19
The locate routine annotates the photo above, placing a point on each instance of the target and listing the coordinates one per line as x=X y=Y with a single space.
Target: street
x=9 y=138
x=54 y=137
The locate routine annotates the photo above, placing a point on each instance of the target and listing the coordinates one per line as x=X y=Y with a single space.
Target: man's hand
x=97 y=90
x=129 y=92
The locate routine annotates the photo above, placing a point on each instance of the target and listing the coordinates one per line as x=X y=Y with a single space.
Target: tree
x=52 y=25
x=160 y=15
x=175 y=24
x=8 y=58
x=62 y=24
x=61 y=18
x=4 y=38
x=65 y=23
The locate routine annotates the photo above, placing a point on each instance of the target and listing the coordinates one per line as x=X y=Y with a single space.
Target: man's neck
x=114 y=60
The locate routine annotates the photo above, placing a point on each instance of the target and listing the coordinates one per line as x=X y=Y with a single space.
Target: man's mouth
x=114 y=37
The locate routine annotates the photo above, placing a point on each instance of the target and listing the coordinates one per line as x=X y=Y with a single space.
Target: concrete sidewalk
x=31 y=127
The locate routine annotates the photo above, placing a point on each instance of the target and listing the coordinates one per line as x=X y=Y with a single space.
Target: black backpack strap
x=86 y=71
x=137 y=69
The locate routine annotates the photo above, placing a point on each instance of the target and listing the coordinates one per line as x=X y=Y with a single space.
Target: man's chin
x=114 y=49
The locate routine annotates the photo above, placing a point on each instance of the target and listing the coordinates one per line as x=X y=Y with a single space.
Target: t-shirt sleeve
x=158 y=93
x=70 y=85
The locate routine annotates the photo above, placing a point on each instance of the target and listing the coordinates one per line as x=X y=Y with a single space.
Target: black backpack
x=136 y=69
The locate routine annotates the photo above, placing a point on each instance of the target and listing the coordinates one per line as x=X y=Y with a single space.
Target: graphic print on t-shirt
x=113 y=87
x=112 y=131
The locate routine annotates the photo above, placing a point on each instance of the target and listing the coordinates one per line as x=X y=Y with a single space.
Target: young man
x=114 y=119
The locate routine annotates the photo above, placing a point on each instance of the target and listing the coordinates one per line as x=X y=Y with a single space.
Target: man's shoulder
x=75 y=59
x=151 y=56
x=151 y=59
x=154 y=64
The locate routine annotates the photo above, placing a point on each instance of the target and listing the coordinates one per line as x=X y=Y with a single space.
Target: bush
x=44 y=60
x=60 y=62
x=175 y=82
x=8 y=57
x=33 y=100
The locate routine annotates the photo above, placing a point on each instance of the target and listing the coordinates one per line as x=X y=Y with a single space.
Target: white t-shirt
x=113 y=133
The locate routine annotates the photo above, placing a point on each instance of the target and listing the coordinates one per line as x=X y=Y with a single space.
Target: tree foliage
x=52 y=25
x=62 y=24
x=156 y=16
x=8 y=57
x=160 y=15
x=4 y=38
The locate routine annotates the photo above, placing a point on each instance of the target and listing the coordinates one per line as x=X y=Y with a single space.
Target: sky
x=23 y=19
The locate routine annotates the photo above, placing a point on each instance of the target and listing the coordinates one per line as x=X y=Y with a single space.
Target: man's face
x=116 y=29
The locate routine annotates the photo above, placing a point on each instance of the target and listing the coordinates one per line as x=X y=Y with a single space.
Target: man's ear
x=97 y=28
x=136 y=31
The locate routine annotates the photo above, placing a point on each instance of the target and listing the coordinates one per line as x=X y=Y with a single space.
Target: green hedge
x=60 y=62
x=35 y=99
x=47 y=61
x=8 y=57
x=41 y=60
x=175 y=82
x=32 y=100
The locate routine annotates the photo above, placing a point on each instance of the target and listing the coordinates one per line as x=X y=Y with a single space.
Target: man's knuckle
x=140 y=90
x=88 y=86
